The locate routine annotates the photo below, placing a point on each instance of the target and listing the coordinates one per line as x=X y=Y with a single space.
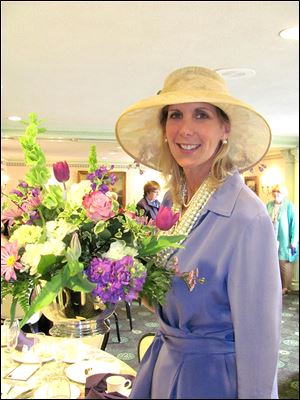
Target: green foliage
x=152 y=245
x=92 y=159
x=34 y=156
x=158 y=283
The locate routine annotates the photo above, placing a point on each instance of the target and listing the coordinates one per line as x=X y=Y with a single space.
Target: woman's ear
x=227 y=129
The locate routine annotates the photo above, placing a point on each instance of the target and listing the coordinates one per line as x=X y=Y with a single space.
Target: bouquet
x=78 y=237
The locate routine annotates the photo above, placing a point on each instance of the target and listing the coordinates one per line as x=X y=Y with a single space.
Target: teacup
x=117 y=383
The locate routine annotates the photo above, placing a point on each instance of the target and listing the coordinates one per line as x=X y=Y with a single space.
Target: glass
x=12 y=330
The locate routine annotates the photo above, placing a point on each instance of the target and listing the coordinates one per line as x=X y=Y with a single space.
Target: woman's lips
x=188 y=147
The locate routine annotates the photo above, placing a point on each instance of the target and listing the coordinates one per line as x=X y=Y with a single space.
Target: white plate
x=125 y=392
x=70 y=360
x=76 y=372
x=41 y=392
x=30 y=358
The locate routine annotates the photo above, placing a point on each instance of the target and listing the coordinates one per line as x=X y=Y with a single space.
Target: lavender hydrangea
x=116 y=280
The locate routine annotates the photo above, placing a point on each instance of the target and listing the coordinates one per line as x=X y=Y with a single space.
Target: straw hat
x=281 y=189
x=139 y=132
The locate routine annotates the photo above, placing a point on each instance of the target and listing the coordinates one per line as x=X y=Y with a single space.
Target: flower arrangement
x=78 y=237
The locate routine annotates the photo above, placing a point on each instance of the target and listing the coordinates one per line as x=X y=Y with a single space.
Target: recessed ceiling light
x=290 y=33
x=14 y=118
x=235 y=73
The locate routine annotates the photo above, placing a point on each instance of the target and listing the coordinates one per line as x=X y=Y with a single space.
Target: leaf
x=45 y=262
x=44 y=298
x=154 y=245
x=100 y=226
x=80 y=283
x=74 y=267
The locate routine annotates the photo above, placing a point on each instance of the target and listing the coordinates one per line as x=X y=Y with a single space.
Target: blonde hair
x=281 y=189
x=221 y=168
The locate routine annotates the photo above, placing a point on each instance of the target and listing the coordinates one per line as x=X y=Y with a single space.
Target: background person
x=282 y=213
x=149 y=202
x=219 y=329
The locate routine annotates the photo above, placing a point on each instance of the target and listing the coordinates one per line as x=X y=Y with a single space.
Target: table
x=48 y=369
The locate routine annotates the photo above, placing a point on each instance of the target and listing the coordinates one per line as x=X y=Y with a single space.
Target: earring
x=165 y=140
x=224 y=141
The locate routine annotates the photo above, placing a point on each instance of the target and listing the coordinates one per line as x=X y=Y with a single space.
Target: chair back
x=5 y=311
x=144 y=343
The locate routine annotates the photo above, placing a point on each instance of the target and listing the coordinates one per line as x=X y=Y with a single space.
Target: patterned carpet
x=144 y=321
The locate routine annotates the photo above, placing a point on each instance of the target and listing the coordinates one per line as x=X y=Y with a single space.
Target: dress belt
x=196 y=344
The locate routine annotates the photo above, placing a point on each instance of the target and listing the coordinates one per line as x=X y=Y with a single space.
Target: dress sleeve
x=254 y=290
x=292 y=225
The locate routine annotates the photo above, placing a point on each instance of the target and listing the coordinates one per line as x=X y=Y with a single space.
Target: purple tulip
x=166 y=218
x=61 y=171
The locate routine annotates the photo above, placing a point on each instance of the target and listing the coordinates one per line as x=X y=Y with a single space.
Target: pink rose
x=166 y=218
x=98 y=206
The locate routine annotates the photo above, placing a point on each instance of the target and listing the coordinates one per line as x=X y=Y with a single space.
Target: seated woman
x=149 y=202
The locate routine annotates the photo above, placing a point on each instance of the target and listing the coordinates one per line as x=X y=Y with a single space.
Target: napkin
x=95 y=387
x=23 y=340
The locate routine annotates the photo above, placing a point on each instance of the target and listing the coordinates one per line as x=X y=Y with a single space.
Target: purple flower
x=104 y=188
x=17 y=192
x=61 y=171
x=116 y=279
x=23 y=184
x=166 y=218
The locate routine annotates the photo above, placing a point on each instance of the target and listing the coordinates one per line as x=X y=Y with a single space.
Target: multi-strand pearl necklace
x=191 y=215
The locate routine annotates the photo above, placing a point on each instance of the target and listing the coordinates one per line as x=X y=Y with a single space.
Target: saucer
x=41 y=392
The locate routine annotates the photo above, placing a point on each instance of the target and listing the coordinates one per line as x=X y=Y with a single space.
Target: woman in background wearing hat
x=282 y=213
x=219 y=329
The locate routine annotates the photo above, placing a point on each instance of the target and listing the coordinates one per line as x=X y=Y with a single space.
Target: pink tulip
x=166 y=218
x=61 y=171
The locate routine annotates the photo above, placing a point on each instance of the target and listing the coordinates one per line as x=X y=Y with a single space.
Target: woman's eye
x=174 y=115
x=201 y=115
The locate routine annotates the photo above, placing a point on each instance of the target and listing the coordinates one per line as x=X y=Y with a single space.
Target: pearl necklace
x=194 y=209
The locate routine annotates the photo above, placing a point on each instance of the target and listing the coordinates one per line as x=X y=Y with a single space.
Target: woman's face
x=194 y=132
x=278 y=197
x=153 y=194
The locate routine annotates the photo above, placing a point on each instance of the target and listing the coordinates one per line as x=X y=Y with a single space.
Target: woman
x=219 y=329
x=282 y=213
x=149 y=203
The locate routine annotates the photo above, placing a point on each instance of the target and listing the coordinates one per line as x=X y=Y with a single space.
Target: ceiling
x=79 y=64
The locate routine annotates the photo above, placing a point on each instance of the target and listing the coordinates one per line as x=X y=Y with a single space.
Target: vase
x=76 y=314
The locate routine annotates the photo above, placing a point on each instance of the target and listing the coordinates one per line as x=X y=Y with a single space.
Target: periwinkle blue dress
x=220 y=340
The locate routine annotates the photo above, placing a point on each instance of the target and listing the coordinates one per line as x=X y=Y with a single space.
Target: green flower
x=33 y=252
x=26 y=234
x=59 y=229
x=118 y=250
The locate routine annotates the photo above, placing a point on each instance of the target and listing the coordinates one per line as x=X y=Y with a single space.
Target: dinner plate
x=29 y=358
x=77 y=372
x=73 y=360
x=41 y=392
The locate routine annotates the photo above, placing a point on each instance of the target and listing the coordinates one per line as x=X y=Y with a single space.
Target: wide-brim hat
x=139 y=132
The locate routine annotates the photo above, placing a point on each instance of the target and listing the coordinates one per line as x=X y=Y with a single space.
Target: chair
x=144 y=343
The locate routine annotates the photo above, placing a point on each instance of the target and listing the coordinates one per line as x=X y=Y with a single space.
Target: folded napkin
x=95 y=387
x=23 y=340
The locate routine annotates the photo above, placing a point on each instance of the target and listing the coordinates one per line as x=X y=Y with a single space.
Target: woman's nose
x=186 y=128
